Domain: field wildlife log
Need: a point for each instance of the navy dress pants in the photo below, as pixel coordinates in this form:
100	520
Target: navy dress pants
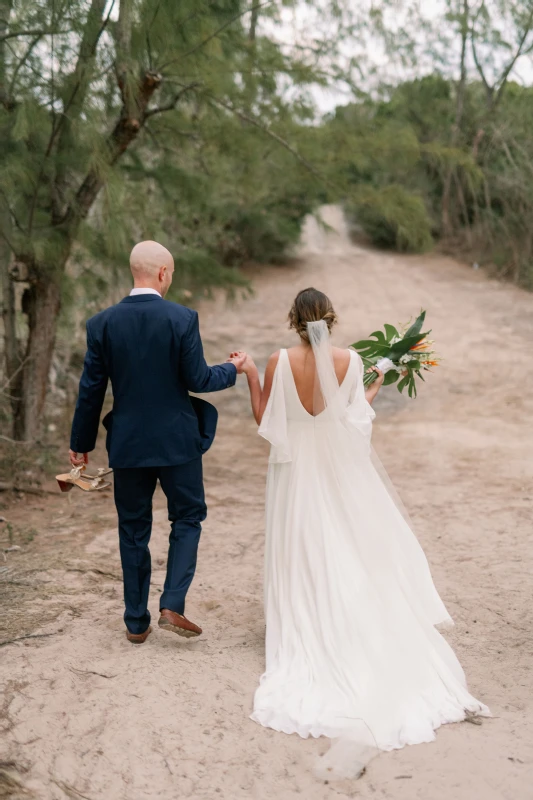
134	490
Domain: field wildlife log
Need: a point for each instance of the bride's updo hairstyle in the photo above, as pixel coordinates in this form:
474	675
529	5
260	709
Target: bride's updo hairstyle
310	305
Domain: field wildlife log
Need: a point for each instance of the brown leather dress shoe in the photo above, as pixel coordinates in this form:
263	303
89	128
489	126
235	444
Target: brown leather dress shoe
138	638
177	623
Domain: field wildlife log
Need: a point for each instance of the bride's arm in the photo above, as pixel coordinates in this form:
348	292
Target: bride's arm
254	385
375	386
259	396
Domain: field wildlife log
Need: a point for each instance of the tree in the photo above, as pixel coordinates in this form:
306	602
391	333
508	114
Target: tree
84	88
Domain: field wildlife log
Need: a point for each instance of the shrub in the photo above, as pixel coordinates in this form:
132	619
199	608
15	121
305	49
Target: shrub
393	217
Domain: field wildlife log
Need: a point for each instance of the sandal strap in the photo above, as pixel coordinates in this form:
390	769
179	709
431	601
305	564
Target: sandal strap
99	473
96	481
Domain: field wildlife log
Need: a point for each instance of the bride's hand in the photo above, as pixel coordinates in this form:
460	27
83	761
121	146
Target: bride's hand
380	376
248	365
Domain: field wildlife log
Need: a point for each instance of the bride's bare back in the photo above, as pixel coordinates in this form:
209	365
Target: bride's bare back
310	306
302	363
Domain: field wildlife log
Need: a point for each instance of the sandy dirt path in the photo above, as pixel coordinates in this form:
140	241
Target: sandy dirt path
87	715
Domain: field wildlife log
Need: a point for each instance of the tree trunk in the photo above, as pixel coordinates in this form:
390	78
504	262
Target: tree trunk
5	13
456	129
12	360
42	304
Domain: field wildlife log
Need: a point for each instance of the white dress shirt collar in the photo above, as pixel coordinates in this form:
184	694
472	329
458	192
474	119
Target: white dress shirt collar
135	292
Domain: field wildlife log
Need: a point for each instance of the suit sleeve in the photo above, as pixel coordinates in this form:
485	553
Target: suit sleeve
93	385
196	374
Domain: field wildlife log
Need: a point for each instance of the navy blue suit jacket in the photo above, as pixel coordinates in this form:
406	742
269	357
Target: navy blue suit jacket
152	352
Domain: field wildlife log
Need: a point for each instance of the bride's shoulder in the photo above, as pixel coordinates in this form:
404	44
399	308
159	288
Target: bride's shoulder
274	358
341	354
270	370
352	353
272	362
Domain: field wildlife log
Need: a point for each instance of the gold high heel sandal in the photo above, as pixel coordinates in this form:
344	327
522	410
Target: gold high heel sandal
87	483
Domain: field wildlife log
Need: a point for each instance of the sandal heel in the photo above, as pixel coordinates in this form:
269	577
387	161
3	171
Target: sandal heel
64	486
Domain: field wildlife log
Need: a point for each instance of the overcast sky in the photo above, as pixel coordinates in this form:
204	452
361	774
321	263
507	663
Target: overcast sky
300	26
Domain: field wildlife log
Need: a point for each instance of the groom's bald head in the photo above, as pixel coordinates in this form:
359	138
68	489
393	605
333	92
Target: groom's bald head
152	266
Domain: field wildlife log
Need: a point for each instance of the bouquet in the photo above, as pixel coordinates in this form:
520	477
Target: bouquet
401	355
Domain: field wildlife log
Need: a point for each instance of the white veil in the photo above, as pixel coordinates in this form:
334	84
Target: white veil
356	415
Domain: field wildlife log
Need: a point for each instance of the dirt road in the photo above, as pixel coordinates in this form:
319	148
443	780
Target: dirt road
87	715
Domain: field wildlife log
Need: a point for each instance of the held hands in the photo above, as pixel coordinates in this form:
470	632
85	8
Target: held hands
248	365
238	359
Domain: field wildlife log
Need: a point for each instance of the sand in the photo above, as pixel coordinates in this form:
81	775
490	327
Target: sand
87	715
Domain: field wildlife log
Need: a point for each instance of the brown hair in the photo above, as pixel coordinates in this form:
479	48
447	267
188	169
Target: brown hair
310	305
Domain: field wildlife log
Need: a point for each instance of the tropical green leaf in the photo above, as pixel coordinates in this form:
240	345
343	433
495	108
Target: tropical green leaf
416	327
373	350
363	343
401	348
390	377
391	331
403	383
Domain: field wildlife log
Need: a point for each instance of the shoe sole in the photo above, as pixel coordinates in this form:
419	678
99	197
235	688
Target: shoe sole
137	639
167	626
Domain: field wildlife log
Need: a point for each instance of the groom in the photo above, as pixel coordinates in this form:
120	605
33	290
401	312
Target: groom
152	352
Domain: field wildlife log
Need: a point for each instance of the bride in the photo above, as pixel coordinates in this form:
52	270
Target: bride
351	644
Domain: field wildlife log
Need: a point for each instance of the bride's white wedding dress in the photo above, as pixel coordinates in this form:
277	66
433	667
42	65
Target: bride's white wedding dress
350	605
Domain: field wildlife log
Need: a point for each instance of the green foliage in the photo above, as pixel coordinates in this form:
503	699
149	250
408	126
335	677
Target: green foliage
393	217
410	175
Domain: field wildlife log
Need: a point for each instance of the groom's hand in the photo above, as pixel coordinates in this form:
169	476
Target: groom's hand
249	364
238	359
78	459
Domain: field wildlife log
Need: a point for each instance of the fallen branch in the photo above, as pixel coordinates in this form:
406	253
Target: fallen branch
91	672
97	571
70	791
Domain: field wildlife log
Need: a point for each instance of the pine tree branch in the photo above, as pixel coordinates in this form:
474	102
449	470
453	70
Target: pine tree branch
215	33
173	103
85	58
33	44
37	32
124	133
262	127
95	26
495	92
489	89
503	79
123	63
